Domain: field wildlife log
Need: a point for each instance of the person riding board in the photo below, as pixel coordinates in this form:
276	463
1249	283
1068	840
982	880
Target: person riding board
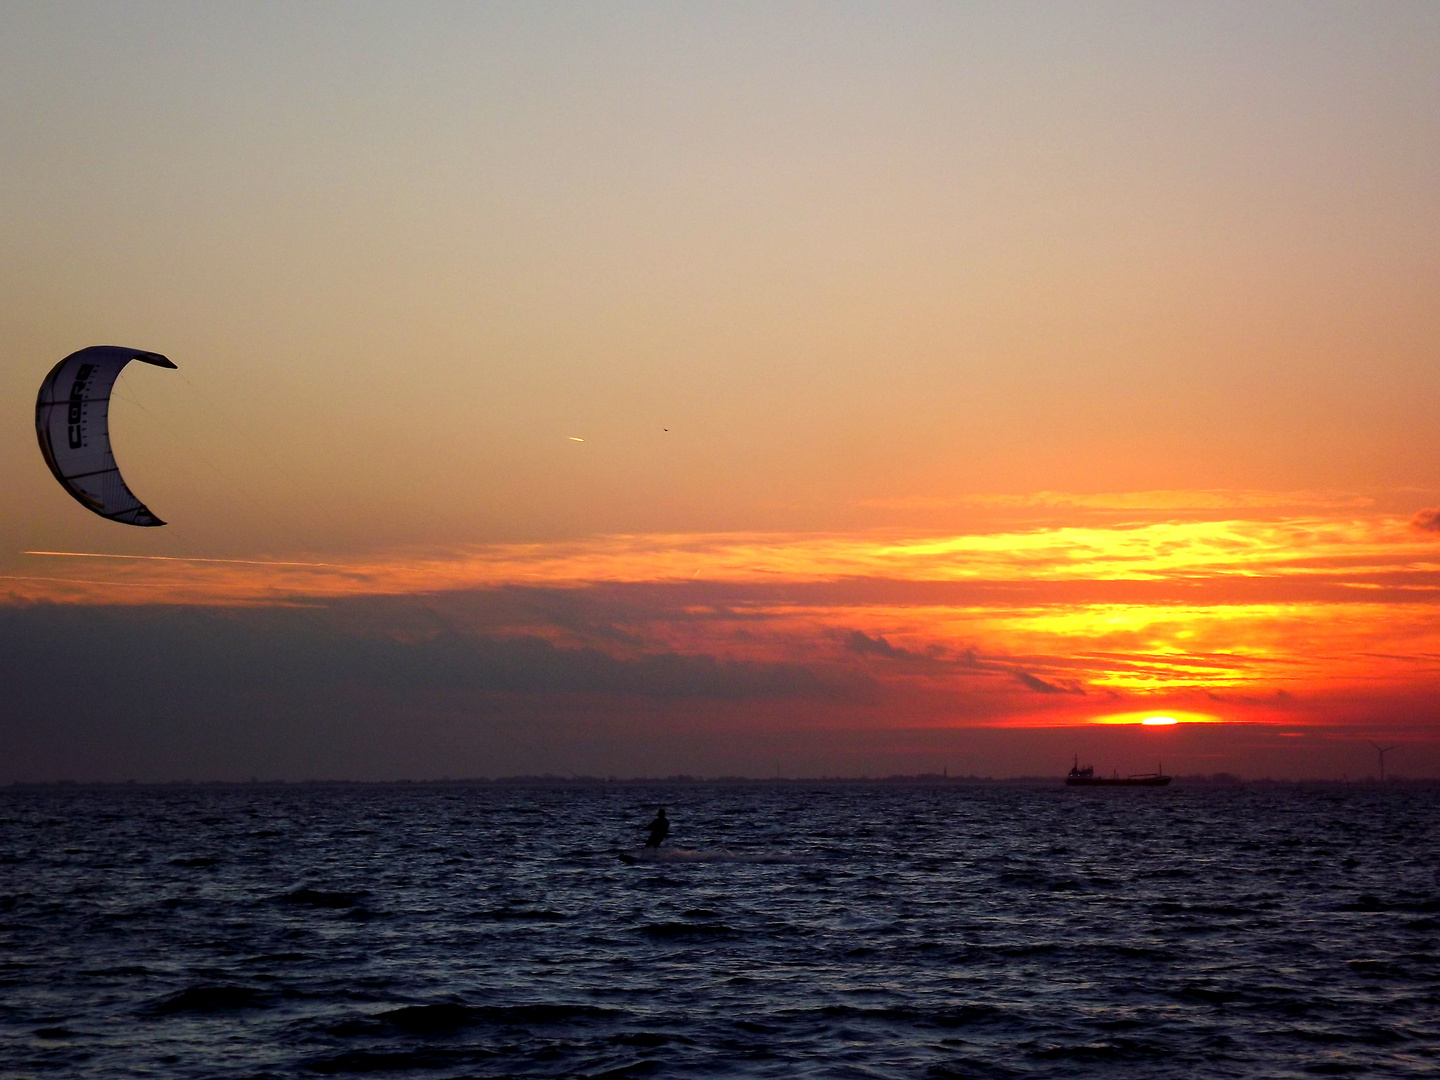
659	829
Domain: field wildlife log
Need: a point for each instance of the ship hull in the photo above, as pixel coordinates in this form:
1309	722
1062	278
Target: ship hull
1117	781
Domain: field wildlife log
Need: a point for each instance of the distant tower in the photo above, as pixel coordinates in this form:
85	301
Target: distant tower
1383	751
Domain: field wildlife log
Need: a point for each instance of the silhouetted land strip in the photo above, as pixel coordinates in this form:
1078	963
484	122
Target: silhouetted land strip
551	780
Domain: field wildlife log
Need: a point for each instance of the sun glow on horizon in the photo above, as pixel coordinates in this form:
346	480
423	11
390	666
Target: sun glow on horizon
1170	718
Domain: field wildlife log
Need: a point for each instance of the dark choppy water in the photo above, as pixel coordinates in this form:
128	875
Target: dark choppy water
859	931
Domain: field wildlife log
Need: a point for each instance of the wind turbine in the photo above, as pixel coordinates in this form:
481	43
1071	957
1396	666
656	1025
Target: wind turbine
1383	751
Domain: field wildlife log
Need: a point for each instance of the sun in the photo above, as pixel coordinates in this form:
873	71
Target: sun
1159	721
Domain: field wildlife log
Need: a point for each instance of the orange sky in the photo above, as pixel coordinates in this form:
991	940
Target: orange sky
1022	365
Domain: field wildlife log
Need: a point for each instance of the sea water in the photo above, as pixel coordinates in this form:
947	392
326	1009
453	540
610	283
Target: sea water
798	930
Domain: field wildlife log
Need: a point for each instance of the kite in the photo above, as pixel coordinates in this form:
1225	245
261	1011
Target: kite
72	419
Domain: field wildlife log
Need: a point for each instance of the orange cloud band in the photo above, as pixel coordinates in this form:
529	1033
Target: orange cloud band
1054	620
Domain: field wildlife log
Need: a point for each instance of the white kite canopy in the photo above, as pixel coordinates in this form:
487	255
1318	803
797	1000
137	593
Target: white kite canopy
72	418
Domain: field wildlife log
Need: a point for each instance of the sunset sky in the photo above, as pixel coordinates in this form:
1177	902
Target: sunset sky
830	389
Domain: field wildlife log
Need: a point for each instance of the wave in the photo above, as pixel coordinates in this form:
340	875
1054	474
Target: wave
208	999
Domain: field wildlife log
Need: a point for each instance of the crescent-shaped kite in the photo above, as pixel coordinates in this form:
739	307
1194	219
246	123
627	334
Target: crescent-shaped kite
72	419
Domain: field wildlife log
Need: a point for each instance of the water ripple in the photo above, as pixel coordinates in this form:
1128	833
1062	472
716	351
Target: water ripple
793	930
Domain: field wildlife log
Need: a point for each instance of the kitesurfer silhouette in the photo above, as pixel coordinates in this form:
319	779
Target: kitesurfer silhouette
659	829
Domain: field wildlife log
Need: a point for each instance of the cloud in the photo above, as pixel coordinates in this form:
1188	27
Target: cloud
393	689
1312	552
1010	627
1179	500
858	641
138	653
1427	520
509	681
1040	686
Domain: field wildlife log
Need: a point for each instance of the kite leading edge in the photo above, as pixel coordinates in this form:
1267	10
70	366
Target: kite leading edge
72	420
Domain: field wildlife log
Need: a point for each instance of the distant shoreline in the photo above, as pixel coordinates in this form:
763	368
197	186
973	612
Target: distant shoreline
543	780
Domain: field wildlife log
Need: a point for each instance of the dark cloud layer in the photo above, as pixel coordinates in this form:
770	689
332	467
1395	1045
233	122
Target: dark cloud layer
483	682
514	680
167	692
133	653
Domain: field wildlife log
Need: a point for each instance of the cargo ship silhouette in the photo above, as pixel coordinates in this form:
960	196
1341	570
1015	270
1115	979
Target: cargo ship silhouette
1078	777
